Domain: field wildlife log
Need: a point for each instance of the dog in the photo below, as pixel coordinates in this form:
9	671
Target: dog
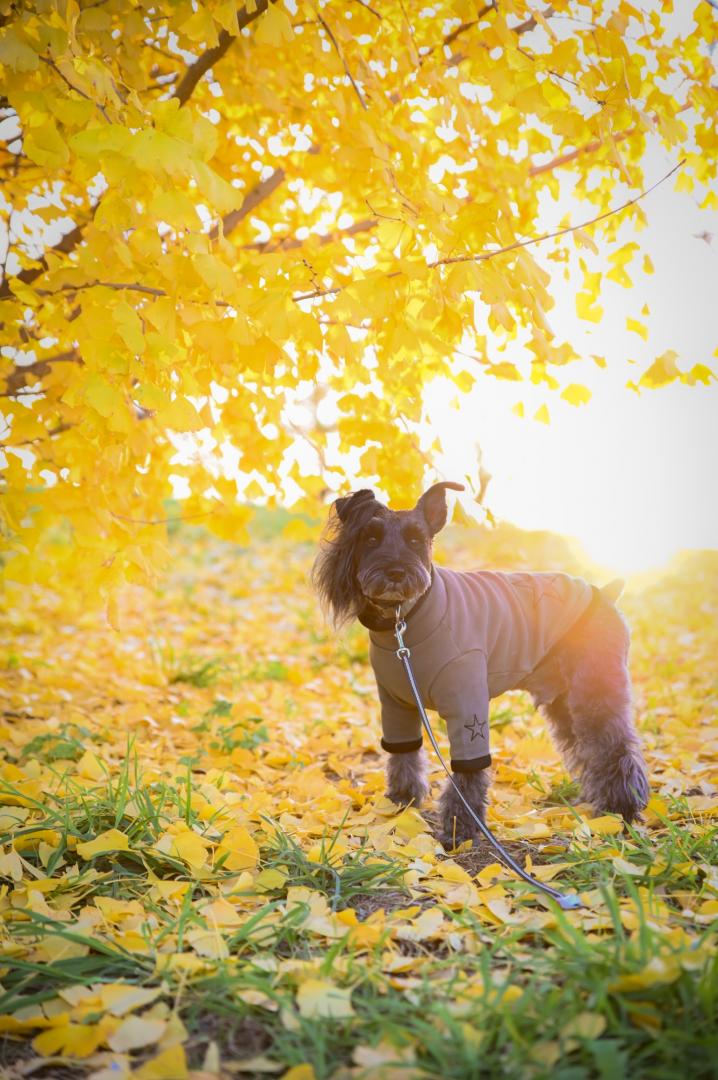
474	635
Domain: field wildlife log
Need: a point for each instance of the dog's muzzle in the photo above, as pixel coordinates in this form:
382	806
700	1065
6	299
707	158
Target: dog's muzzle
394	585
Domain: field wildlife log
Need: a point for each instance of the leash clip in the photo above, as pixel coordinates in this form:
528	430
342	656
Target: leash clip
399	630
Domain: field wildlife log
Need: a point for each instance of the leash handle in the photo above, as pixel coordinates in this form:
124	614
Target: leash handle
569	902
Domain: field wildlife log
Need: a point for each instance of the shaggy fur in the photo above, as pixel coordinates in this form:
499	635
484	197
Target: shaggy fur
456	825
585	692
373	559
407	781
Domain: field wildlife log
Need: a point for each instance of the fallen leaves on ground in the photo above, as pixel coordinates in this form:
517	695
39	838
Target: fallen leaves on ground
201	875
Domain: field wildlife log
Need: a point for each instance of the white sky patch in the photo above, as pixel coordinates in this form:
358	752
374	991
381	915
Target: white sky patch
631	476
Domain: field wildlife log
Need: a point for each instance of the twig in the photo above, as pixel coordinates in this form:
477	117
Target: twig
129	285
369	8
484	256
340	54
55	68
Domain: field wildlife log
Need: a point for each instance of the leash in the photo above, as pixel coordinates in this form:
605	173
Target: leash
568	902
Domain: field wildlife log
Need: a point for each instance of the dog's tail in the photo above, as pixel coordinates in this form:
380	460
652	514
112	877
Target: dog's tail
613	590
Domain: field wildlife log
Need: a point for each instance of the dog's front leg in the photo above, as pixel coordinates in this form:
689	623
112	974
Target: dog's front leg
406	778
456	825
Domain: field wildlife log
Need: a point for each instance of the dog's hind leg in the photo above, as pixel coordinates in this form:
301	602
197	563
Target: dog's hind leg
406	778
603	746
561	727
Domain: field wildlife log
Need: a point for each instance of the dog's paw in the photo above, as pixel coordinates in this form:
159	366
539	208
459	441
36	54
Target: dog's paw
455	833
406	779
622	790
408	794
457	824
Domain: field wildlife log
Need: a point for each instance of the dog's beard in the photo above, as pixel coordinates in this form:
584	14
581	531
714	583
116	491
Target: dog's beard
382	593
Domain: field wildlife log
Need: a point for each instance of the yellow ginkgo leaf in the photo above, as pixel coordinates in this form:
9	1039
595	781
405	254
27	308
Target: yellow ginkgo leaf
410	823
587	308
318	999
575	394
120	998
73	1040
274	27
189	847
637	328
171	1064
135	1032
662	371
299	1072
90	767
238	850
111	840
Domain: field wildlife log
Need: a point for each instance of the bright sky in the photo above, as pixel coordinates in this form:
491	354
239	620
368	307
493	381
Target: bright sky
632	477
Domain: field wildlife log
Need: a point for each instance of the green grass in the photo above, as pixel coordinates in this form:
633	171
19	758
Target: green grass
506	1007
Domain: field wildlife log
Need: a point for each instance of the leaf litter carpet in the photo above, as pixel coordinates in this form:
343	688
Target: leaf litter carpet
201	877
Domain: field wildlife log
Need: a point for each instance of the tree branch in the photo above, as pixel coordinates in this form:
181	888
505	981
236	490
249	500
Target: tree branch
64	246
183	91
17	379
252	199
521	28
484	256
131	286
290	243
463	27
340	54
369	8
565	159
186	86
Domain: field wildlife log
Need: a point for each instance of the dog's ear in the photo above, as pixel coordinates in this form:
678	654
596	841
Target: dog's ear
347	505
432	504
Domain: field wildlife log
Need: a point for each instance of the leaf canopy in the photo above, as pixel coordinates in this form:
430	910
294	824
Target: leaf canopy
216	212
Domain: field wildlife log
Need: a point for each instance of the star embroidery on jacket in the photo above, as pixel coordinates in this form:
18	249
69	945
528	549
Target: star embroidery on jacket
538	585
477	728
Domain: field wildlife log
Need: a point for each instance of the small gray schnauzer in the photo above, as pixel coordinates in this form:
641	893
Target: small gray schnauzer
474	635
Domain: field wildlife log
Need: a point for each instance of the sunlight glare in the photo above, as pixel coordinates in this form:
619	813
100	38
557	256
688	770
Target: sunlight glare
622	476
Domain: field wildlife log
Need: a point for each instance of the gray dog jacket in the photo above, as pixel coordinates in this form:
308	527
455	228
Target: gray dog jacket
472	636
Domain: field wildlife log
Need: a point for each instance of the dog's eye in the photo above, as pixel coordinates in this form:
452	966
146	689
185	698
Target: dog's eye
372	540
413	540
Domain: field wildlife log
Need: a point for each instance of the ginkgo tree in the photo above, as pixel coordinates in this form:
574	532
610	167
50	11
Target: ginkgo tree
212	211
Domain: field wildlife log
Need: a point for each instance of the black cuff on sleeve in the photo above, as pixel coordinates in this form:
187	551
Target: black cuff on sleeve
475	764
402	747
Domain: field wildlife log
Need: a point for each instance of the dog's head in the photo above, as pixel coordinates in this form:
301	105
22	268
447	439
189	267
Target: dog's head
375	558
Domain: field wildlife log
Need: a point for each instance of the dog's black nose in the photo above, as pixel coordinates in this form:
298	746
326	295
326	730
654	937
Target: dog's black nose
396	574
